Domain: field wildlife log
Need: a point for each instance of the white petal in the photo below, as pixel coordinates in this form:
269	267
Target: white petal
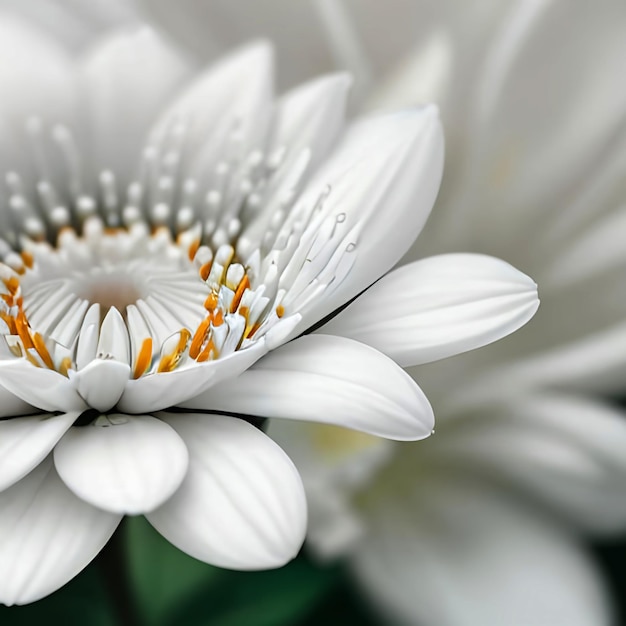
121	463
26	441
234	95
382	181
242	503
438	307
312	116
460	555
101	383
40	387
161	391
127	78
11	405
566	451
47	535
327	379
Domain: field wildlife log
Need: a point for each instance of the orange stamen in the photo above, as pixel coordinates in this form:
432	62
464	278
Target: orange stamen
243	285
199	336
205	270
142	362
42	350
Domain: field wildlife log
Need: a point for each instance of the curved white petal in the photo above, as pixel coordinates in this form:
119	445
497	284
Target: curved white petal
127	78
223	115
242	503
312	116
457	554
11	405
121	463
40	387
381	184
161	391
438	307
566	451
327	379
26	441
47	535
101	383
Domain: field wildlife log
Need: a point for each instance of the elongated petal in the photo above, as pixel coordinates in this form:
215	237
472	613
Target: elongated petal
26	441
127	78
40	387
440	306
225	113
328	379
122	464
465	556
312	116
242	503
381	184
47	535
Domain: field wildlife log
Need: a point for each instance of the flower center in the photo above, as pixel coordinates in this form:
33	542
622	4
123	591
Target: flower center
173	271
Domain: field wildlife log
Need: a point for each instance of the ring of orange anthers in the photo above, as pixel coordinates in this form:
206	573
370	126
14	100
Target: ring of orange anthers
199	345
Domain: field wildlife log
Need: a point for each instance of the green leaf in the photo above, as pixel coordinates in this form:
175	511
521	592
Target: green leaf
161	575
82	601
271	598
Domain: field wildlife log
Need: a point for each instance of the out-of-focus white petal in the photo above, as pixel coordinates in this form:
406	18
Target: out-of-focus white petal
327	379
43	388
127	79
26	441
223	115
566	451
597	251
122	464
438	307
242	503
312	116
74	23
47	535
381	184
457	554
542	113
334	462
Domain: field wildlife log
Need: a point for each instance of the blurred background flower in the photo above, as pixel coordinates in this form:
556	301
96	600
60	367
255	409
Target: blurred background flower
488	521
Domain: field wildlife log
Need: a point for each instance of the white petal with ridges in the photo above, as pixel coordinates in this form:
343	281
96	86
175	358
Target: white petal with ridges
47	535
121	463
438	307
26	441
242	503
333	380
43	388
381	184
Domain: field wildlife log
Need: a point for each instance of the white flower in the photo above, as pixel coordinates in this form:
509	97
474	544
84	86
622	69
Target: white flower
480	524
135	280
